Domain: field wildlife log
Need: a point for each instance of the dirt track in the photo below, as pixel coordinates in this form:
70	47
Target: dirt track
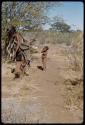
39	97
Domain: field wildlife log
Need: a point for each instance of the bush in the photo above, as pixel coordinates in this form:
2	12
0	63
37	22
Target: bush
75	52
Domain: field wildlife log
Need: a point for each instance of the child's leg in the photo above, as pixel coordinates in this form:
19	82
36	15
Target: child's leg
44	60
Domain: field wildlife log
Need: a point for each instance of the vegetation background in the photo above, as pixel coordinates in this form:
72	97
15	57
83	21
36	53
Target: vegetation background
29	19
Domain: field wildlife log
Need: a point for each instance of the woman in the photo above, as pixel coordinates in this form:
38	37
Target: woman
16	37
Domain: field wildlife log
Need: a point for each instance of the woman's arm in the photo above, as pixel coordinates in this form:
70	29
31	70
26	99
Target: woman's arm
18	42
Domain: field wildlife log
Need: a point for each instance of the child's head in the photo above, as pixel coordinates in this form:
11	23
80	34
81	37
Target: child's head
46	47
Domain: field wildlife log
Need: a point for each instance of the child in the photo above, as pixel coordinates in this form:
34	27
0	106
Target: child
44	56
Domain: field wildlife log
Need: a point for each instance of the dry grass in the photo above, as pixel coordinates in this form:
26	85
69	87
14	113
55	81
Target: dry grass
75	53
74	86
41	96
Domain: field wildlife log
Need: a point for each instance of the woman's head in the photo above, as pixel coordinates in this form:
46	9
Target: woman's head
11	31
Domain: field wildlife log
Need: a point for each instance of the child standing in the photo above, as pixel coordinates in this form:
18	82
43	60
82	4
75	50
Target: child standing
44	56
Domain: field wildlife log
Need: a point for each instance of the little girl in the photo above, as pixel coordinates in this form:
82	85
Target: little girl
44	56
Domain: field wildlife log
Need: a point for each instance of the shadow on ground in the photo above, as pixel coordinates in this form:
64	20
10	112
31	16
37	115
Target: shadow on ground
40	67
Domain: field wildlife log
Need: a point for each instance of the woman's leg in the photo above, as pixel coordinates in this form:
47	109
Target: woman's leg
17	70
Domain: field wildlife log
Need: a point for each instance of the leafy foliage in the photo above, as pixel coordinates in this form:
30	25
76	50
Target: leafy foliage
60	26
24	14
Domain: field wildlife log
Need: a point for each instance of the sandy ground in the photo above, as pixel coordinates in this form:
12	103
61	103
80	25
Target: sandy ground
39	97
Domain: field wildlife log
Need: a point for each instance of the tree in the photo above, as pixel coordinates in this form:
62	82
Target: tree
29	14
60	26
25	13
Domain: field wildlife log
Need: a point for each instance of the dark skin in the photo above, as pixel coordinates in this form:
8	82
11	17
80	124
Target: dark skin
18	39
21	65
6	41
18	43
44	56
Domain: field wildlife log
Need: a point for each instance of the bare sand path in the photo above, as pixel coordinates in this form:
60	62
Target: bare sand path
39	97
